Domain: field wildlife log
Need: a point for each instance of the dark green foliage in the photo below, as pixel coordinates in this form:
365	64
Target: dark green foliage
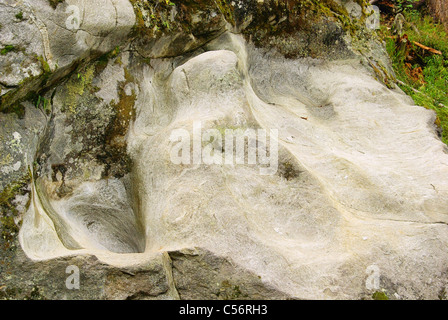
379	295
423	75
6	49
19	16
54	3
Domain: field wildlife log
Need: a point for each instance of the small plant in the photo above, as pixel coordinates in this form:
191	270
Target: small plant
44	64
166	24
43	103
403	5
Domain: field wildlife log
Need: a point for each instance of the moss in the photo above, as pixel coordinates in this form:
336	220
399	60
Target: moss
379	295
226	10
139	26
44	64
54	3
124	108
288	170
19	16
114	156
9	192
16	108
9	293
18	293
76	86
28	89
8	227
103	60
154	17
35	294
8	48
302	28
229	291
382	74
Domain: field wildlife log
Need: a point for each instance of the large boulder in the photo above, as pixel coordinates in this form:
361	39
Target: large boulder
348	202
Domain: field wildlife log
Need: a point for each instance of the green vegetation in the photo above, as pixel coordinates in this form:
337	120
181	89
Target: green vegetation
77	85
26	88
152	16
9	192
6	49
379	295
229	291
124	107
404	4
43	103
226	11
19	16
102	61
422	73
270	29
44	64
54	3
8	227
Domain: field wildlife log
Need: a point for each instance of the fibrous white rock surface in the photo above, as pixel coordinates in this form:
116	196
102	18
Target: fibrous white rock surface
360	192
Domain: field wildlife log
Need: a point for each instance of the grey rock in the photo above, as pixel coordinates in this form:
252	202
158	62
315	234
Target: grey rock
22	279
20	137
45	43
201	275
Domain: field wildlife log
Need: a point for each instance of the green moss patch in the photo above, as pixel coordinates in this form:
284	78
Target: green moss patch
76	87
300	28
19	16
8	214
8	48
379	295
54	3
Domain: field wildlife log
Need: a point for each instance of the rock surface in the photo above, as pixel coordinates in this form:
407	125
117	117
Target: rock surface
355	204
41	43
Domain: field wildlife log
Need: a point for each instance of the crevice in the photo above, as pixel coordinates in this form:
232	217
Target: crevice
8	86
168	266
